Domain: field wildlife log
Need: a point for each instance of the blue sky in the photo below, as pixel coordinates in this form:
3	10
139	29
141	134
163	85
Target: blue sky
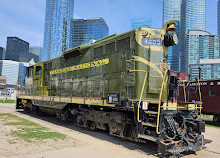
25	18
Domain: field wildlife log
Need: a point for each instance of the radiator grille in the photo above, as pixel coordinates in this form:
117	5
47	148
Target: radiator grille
110	48
123	44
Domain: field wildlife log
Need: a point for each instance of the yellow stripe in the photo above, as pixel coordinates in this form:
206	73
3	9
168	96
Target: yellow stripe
76	100
148	63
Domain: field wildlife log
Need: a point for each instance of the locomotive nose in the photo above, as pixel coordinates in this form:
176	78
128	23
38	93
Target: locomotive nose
170	39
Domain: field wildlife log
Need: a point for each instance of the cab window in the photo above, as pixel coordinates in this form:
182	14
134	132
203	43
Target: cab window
29	72
38	70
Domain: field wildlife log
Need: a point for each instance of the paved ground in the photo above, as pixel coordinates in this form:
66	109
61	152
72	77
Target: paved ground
100	144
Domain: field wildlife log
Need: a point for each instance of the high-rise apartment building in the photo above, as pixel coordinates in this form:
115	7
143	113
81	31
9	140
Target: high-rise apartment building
2	53
200	45
193	16
13	71
218	17
171	11
139	22
209	69
84	30
57	28
18	50
35	50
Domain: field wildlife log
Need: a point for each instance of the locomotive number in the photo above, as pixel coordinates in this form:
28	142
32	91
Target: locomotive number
151	41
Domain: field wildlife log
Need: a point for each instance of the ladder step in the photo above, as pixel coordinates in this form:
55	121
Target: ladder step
149	124
154	102
151	112
147	137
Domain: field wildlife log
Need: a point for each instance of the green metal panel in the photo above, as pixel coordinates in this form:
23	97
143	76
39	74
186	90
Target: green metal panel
112	77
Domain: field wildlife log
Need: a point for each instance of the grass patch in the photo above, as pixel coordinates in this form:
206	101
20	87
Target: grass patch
22	122
28	130
17	121
214	126
7	101
8	116
207	119
37	134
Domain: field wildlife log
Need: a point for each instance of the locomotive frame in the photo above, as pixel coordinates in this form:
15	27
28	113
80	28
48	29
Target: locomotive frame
120	83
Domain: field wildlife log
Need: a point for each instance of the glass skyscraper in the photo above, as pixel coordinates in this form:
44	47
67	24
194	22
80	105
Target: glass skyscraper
18	50
2	53
35	50
201	45
57	28
171	11
193	16
84	30
139	22
218	17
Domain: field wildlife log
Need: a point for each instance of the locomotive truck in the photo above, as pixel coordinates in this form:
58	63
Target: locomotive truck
119	83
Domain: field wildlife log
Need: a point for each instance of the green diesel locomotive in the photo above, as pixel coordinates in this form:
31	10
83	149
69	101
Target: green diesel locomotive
120	83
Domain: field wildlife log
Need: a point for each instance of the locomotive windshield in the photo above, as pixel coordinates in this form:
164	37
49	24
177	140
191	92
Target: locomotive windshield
38	70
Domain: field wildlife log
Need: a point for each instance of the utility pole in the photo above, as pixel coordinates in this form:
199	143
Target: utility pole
199	72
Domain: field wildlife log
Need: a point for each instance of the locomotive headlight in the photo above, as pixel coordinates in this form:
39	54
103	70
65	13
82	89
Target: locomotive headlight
170	39
175	39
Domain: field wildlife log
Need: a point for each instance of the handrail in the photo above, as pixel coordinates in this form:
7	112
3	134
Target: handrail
145	25
200	96
175	107
184	88
138	111
158	115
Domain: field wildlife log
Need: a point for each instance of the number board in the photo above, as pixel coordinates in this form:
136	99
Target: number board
151	41
113	98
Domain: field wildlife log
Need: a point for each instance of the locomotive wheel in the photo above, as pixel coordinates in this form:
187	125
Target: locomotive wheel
92	126
34	110
26	110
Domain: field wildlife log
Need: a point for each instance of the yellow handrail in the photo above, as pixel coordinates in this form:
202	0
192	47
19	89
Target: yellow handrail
184	89
138	112
200	96
158	115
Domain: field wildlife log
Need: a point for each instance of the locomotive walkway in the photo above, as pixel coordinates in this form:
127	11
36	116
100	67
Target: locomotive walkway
98	144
